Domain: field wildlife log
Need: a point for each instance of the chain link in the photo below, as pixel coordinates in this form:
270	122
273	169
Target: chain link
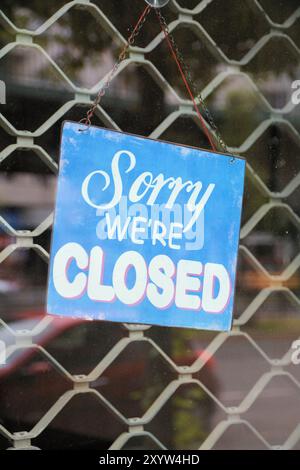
122	56
191	82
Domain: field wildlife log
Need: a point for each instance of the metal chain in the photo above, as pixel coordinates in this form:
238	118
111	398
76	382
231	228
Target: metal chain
130	41
191	82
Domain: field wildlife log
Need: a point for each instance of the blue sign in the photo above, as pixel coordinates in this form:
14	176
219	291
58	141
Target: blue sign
144	231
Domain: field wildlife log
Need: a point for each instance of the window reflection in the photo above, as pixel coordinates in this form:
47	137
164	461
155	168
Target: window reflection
268	283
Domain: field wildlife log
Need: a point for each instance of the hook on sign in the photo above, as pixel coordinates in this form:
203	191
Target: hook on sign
157	3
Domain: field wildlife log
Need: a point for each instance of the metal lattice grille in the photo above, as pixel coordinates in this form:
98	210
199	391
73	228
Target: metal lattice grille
24	139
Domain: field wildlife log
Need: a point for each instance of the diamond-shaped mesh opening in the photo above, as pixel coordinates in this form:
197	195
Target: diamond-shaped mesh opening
29	387
195	53
29	14
283	11
275	325
186	419
183	345
275	157
234	42
235	381
84	54
143	373
136	90
236	109
274	68
23	277
276	411
83	424
187	131
80	345
275	241
24	92
239	437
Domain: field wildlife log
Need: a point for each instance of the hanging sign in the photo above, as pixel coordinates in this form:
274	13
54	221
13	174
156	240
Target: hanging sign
145	231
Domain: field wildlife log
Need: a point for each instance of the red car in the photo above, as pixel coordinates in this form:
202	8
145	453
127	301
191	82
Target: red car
32	387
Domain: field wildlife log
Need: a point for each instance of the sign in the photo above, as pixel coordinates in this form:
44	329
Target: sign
145	231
